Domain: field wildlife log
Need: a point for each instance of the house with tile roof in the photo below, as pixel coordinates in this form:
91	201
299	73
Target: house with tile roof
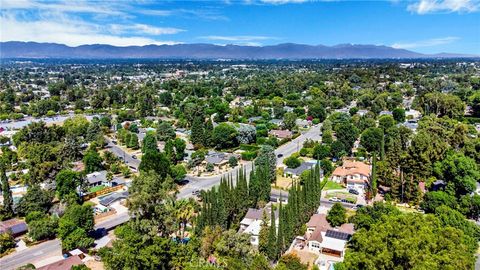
353	174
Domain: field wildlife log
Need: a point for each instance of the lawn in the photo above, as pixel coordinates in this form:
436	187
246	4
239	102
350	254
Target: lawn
332	185
97	188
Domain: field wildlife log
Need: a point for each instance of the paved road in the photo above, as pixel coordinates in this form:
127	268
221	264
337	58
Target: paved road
39	252
296	144
119	152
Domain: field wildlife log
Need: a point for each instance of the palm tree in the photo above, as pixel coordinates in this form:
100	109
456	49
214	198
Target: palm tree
184	212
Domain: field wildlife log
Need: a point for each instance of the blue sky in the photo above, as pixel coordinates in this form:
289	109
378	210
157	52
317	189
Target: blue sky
428	26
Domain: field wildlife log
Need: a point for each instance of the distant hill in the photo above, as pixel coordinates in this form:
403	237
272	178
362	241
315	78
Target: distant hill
16	49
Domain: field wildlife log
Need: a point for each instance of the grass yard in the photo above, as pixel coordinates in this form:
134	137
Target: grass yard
97	188
332	185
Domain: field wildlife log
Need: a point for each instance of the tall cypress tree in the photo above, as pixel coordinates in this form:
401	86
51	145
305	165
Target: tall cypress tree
208	134
7	193
373	177
280	239
272	238
197	133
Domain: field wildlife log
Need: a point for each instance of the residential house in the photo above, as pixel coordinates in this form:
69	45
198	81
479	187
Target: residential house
353	174
277	122
13	226
252	222
322	238
65	264
254	119
281	134
413	114
97	178
219	159
296	172
385	113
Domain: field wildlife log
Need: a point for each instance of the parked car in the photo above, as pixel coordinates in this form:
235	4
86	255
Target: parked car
353	191
279	155
134	157
334	199
114	142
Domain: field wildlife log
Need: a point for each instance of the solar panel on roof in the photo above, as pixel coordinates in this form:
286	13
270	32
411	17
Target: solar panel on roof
337	235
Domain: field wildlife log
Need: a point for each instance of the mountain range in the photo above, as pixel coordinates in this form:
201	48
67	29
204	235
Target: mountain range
17	49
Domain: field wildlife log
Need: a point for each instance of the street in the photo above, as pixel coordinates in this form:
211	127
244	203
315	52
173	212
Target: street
120	153
296	144
36	253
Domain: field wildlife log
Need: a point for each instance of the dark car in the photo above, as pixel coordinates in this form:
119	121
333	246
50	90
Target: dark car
183	182
354	191
114	142
279	155
134	157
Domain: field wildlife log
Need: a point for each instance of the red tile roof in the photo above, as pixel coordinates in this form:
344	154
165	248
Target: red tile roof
65	264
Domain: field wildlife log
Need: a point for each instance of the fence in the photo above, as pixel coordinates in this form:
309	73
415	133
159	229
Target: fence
104	191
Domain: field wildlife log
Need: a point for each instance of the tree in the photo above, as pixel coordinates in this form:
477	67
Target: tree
432	246
347	135
132	250
321	151
36	199
67	182
149	142
266	158
292	162
6	242
371	139
178	172
291	262
133	142
77	239
155	161
76	126
246	134
399	115
94	131
272	251
385	122
460	172
289	120
74	226
197	132
233	161
224	136
327	137
42	228
326	166
165	131
434	199
148	194
337	215
92	161
316	110
6	192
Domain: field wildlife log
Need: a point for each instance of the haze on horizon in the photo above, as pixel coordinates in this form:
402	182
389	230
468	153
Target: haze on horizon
425	26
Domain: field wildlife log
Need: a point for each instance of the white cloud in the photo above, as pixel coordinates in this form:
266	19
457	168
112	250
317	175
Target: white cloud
238	38
72	6
425	43
447	6
65	30
145	29
206	14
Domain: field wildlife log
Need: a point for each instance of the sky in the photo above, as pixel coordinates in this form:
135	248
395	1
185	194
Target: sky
426	26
